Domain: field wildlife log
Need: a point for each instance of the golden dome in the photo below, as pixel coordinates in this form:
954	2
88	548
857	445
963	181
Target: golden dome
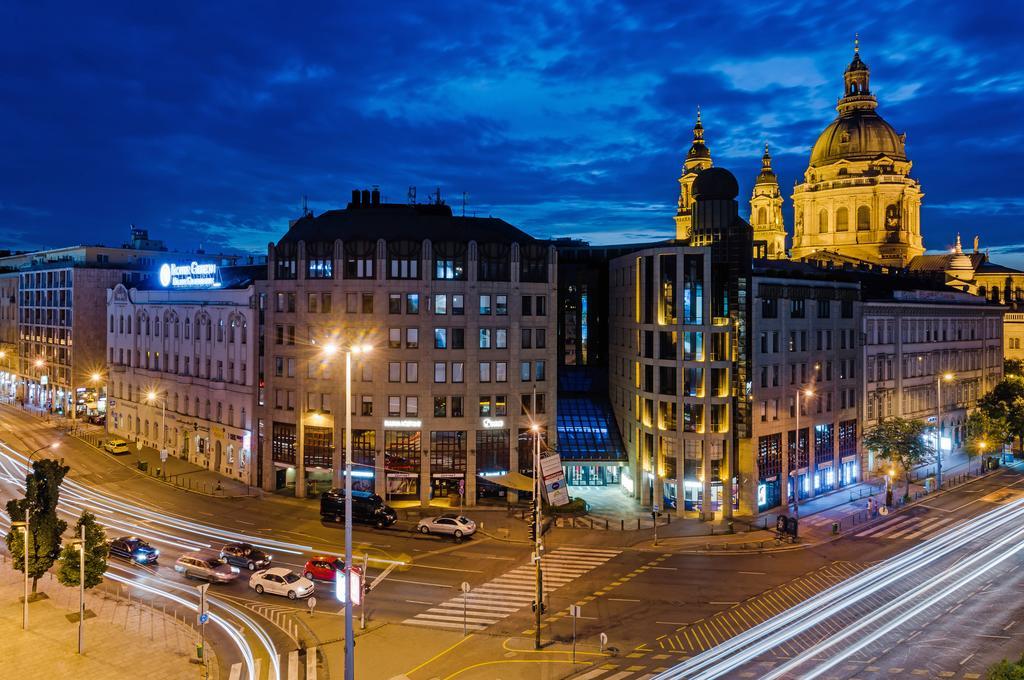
857	135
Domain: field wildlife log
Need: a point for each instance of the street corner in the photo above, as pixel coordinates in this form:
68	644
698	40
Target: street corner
513	658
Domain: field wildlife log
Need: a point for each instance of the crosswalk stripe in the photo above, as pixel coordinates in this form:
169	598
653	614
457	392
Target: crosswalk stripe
443	624
588	551
886	525
591	674
473	606
439	614
934	527
922	524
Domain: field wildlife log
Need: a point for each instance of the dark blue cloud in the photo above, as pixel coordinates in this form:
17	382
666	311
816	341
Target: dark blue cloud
208	122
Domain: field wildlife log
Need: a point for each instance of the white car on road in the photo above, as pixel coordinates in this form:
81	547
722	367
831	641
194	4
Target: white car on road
281	581
449	523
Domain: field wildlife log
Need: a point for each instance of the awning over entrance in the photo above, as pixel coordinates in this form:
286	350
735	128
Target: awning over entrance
511	480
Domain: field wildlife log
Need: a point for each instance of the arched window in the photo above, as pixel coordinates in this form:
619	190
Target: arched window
842	219
892	216
762	216
208	409
156	326
196	412
231	415
188	327
863	218
129	325
242	424
823	222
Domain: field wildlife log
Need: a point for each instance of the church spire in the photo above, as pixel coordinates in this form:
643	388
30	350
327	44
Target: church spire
697	158
856	83
766	211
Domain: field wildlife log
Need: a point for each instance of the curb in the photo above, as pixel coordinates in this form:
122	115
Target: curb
153	477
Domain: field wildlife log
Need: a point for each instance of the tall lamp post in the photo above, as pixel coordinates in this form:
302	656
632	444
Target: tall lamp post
539	595
24	526
79	544
331	349
808	393
39	365
151	397
939	379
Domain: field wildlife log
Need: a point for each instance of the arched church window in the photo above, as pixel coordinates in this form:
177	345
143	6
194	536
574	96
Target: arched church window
842	219
863	218
823	222
762	216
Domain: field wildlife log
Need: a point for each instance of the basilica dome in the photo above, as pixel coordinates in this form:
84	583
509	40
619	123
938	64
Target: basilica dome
857	135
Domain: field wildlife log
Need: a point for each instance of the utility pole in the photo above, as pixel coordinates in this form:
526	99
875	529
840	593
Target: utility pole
81	593
537	531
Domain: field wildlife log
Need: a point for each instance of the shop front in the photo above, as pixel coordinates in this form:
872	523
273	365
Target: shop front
492	460
592	474
448	451
402	459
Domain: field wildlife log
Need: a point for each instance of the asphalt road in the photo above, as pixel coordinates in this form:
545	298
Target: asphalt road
657	609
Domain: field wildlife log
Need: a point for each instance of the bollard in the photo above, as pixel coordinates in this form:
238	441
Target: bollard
638	523
622	525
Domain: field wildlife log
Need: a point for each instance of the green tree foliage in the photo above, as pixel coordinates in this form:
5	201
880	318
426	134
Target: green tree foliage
901	441
42	490
1006	670
985	434
95	554
1013	368
1005	402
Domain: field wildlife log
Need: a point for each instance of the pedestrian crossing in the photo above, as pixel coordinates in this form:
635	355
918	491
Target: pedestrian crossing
907	527
499	598
615	673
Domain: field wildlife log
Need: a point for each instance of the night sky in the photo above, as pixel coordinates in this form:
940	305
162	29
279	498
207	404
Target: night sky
206	123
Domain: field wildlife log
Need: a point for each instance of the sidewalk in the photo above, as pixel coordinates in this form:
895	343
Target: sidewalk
121	640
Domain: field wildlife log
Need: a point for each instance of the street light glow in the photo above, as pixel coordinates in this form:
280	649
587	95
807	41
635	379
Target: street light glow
39	363
947	377
151	396
330	349
808	392
95	377
362	349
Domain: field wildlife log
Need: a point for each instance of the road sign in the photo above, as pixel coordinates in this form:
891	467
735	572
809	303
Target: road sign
575	609
462	487
465	586
204	617
604	640
163	455
202	597
654	509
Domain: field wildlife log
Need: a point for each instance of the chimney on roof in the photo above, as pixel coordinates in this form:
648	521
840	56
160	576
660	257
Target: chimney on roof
355	199
375	195
366	197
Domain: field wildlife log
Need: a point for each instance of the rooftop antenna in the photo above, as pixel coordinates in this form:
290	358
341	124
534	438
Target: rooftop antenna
465	197
411	195
437	196
305	205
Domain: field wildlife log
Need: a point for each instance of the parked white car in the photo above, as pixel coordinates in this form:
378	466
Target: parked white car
449	524
281	581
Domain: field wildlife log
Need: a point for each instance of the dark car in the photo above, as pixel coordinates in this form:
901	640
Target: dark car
367	508
134	549
246	555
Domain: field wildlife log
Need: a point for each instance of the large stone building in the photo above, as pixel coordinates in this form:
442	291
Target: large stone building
459	314
857	199
58	321
182	366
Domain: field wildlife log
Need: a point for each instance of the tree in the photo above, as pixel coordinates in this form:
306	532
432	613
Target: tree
901	441
985	434
95	554
42	490
1013	368
1006	670
1006	402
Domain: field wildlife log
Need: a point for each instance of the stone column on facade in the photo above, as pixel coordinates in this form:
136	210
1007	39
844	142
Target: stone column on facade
680	455
658	495
706	512
426	490
300	430
470	498
380	475
725	473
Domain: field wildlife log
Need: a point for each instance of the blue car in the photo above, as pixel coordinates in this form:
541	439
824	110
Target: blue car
134	549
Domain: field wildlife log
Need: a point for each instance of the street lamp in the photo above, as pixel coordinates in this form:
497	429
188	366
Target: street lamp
539	594
24	548
329	350
807	393
939	379
53	447
982	445
80	545
151	397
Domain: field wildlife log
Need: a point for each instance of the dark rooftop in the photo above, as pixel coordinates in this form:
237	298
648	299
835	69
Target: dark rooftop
399	221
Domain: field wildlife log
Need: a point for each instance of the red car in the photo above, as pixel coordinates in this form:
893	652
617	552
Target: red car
323	568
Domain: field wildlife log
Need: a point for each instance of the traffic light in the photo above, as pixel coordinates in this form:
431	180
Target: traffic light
533	607
533	528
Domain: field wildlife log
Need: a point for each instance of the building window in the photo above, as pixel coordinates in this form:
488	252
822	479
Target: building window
863	218
412	338
458	305
842	219
485	305
440	407
457	371
448	451
412	303
485	338
283	443
492	450
394	303
440	369
501	305
485	406
457	410
412	372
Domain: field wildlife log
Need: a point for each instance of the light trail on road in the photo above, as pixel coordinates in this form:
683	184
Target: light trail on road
724	659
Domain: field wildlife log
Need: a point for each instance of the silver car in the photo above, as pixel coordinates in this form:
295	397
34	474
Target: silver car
207	566
449	523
